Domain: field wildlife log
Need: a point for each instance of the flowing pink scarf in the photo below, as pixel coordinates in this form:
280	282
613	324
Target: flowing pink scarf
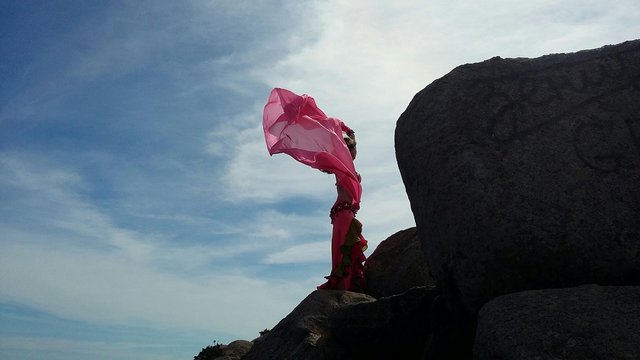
294	125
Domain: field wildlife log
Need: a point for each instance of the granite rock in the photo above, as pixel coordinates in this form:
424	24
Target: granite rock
525	173
347	325
586	322
397	265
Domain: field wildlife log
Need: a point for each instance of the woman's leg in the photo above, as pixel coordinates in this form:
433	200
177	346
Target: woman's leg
347	245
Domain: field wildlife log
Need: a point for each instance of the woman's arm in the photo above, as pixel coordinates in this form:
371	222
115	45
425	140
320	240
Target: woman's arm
350	133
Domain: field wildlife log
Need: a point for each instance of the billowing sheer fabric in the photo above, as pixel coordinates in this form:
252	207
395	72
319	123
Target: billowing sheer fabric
294	125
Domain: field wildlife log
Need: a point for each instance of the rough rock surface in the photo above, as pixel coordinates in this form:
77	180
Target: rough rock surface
393	327
397	265
347	325
525	173
304	334
586	322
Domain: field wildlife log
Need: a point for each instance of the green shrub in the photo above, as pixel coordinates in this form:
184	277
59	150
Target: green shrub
210	352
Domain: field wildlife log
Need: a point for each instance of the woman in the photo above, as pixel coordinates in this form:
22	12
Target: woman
347	243
295	125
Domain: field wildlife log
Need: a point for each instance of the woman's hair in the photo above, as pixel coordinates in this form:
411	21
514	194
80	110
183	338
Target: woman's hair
350	142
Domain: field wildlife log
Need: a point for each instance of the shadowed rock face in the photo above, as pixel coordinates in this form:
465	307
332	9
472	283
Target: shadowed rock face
397	265
525	173
586	322
346	325
304	333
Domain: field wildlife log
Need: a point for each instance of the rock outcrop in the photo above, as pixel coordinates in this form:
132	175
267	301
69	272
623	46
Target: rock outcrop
397	265
234	351
525	173
586	322
347	325
304	333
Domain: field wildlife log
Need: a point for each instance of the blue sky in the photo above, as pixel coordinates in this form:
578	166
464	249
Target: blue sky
140	214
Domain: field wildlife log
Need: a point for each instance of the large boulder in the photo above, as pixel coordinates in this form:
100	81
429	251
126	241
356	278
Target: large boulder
397	265
587	322
347	325
525	173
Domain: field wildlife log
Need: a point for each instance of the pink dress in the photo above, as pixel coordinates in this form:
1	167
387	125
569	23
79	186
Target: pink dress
294	125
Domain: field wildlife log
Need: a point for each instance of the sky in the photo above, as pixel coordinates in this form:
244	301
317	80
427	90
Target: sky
141	216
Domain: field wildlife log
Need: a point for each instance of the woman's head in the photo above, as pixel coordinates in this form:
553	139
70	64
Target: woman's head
351	144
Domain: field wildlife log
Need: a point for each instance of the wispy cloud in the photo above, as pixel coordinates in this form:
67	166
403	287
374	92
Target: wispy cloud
251	175
303	253
82	266
91	286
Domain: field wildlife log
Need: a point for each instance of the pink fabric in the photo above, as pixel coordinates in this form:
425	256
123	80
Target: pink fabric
294	125
354	278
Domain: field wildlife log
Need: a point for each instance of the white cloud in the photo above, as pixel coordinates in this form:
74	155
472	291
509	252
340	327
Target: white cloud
252	175
79	265
303	253
103	288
